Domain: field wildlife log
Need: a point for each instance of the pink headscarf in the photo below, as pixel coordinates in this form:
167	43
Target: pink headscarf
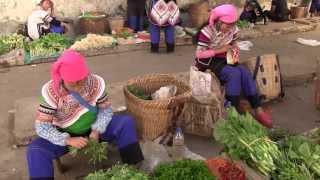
70	67
226	13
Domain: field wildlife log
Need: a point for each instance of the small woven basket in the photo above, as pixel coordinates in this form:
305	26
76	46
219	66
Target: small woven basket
199	13
153	117
268	77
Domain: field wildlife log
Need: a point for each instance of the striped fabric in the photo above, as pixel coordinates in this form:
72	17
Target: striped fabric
63	110
210	39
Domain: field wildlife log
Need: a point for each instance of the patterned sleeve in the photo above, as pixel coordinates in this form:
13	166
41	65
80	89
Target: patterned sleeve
105	111
203	49
45	115
103	100
45	16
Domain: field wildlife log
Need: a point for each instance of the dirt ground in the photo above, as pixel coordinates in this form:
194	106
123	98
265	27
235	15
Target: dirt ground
295	112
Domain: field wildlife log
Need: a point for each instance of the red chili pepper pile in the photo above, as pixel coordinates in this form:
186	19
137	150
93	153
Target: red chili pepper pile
225	170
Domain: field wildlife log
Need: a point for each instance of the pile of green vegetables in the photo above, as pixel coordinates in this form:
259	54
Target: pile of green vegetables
11	42
95	150
49	45
139	92
305	153
91	15
183	170
243	24
244	138
118	172
290	158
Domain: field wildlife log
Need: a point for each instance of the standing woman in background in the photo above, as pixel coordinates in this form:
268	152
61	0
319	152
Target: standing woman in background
136	11
163	14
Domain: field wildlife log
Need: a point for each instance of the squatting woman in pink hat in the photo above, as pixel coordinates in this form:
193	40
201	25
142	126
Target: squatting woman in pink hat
74	107
215	39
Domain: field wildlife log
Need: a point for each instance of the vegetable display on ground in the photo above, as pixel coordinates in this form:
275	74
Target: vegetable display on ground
118	172
183	170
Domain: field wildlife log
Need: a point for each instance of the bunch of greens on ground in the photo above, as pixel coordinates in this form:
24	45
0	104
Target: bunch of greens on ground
303	151
49	45
125	34
183	170
139	92
244	138
243	24
10	42
118	172
278	134
90	15
288	169
95	150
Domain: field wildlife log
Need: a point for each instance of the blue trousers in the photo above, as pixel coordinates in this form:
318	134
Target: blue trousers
155	34
121	131
239	79
136	23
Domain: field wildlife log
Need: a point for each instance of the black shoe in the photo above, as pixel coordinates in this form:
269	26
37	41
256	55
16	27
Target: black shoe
170	48
154	48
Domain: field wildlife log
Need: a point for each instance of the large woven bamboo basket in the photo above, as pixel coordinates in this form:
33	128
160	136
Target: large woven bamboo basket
199	13
153	117
297	12
268	76
116	23
95	25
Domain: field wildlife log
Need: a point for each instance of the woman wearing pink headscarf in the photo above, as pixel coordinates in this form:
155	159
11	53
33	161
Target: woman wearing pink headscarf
214	41
74	107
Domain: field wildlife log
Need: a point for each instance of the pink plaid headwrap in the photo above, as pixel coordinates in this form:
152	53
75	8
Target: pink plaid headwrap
226	13
70	67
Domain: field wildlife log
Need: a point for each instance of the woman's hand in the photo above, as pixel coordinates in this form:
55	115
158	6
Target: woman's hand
94	135
77	142
223	49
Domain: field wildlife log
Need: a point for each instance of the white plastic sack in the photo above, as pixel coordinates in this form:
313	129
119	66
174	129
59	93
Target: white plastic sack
245	45
200	82
308	42
154	154
164	92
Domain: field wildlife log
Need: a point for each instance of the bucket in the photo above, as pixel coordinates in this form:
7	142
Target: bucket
199	13
297	12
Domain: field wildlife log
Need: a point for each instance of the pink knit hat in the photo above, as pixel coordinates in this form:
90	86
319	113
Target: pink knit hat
70	67
226	13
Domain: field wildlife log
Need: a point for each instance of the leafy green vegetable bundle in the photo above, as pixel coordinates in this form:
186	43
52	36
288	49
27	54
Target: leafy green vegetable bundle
183	170
243	24
95	150
118	172
139	92
288	169
10	42
305	152
244	138
49	45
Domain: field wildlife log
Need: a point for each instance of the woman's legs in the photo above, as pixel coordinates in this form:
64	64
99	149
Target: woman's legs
155	37
40	156
230	76
250	91
122	131
170	37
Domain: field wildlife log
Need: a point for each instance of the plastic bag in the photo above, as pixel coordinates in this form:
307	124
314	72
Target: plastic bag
245	45
164	92
154	154
200	82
